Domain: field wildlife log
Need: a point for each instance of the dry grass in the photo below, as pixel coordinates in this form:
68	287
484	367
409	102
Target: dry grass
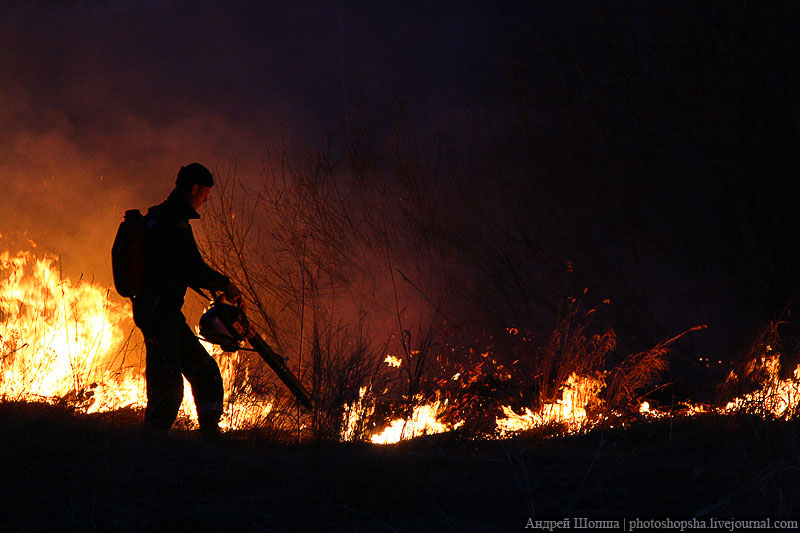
638	371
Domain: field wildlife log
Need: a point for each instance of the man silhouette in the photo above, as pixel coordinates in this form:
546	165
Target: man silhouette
174	264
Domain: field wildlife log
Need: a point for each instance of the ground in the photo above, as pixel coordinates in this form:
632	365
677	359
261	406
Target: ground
68	472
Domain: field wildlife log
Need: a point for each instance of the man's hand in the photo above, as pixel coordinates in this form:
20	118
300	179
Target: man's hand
234	296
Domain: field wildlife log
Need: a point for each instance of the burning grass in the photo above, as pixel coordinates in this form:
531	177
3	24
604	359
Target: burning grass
58	340
63	343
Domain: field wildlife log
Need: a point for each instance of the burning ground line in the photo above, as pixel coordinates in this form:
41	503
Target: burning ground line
59	342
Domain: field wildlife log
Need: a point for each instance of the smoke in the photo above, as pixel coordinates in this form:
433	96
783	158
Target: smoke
100	106
92	123
69	197
101	102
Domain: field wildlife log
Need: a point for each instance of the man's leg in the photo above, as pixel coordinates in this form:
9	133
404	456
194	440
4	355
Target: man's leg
163	379
203	374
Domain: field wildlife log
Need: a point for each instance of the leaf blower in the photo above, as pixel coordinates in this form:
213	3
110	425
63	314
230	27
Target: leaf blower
228	326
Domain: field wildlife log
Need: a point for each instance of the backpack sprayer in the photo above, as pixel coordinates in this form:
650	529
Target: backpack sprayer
228	326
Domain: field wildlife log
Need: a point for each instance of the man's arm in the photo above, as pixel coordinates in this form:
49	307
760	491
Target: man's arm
199	274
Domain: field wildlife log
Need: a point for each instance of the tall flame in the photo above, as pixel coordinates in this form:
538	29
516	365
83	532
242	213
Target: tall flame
243	408
61	340
354	415
57	339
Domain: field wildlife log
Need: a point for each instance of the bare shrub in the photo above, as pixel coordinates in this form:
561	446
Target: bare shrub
355	249
347	370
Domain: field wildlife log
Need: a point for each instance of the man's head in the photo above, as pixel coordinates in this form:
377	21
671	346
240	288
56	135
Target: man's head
194	183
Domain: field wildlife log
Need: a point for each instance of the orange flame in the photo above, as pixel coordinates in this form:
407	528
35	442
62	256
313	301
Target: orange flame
355	414
425	419
576	394
393	361
776	398
63	340
57	339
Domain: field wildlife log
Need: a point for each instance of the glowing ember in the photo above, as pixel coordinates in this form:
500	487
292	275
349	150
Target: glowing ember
647	411
694	409
570	410
424	420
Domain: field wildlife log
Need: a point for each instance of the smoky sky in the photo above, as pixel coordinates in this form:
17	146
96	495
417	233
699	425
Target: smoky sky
102	102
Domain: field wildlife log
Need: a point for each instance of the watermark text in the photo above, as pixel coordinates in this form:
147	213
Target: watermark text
641	524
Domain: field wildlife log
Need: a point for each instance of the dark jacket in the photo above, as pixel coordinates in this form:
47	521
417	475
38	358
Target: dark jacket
173	263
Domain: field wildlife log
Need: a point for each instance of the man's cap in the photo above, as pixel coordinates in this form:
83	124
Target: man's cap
194	173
